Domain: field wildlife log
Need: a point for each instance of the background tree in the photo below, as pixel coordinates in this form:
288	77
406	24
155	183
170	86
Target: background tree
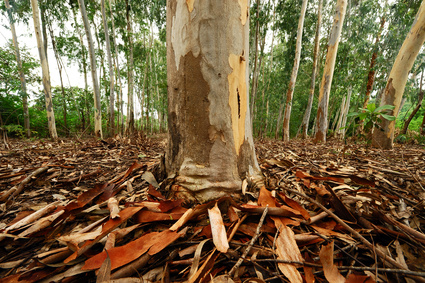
21	71
45	70
325	87
96	91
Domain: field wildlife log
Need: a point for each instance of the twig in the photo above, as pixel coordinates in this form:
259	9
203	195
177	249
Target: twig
251	243
360	268
14	191
381	254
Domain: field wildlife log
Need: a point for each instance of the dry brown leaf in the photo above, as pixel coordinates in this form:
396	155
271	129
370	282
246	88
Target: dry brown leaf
327	259
113	207
218	230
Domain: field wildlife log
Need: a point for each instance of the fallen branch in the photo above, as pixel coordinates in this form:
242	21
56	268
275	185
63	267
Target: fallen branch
251	243
15	190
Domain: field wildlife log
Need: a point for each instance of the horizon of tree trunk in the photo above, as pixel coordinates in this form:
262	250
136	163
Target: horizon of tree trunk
383	136
292	81
307	114
96	91
111	73
21	71
210	146
325	86
45	72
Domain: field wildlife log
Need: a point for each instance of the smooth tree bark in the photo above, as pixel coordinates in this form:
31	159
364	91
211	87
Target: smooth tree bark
118	74
292	81
59	64
96	90
210	146
325	86
45	71
130	74
342	121
383	136
21	70
418	106
307	113
111	73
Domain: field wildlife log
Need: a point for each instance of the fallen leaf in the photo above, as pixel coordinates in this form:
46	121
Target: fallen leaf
327	259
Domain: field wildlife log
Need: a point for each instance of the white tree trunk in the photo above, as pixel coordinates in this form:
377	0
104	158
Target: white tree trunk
45	71
292	81
307	114
96	91
210	148
325	87
384	135
21	71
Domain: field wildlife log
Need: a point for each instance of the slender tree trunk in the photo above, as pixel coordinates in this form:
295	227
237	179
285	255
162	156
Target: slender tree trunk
21	71
211	148
325	87
383	135
52	36
117	66
43	27
111	73
422	128
255	70
418	106
45	71
340	129
307	114
96	91
130	63
292	81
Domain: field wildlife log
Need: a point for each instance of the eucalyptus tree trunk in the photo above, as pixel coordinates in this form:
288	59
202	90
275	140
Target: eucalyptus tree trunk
307	114
45	71
325	87
52	36
111	73
418	106
21	71
383	135
130	63
342	121
292	81
210	145
117	66
43	26
256	67
96	91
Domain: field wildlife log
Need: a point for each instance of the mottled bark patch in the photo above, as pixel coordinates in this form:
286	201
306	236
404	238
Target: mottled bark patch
238	98
195	108
244	10
190	5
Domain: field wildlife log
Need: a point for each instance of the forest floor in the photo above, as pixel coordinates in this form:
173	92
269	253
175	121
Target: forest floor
335	212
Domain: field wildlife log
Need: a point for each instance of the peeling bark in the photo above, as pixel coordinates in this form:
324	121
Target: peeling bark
210	146
383	135
325	87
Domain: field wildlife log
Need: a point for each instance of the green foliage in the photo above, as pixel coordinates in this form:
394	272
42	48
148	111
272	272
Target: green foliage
371	116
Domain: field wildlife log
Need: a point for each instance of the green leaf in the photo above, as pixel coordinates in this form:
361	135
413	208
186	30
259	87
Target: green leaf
385	107
371	107
353	114
388	117
363	115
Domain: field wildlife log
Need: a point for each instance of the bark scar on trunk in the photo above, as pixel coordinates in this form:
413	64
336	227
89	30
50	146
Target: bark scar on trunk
244	10
237	97
190	5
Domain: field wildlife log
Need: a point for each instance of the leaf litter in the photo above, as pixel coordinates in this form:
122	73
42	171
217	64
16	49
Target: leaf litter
97	211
